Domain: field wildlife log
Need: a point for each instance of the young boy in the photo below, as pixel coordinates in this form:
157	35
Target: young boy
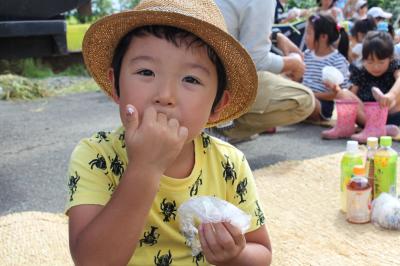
173	69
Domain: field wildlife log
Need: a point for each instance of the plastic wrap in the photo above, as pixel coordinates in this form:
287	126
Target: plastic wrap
207	209
386	211
332	74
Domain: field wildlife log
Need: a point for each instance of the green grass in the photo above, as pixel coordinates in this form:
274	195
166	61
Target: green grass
75	35
35	69
74	70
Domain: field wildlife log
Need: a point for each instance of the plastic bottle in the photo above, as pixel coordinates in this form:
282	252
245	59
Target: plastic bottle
358	197
385	164
351	157
372	147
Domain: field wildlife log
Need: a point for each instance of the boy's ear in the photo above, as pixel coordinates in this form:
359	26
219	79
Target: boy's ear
111	78
214	116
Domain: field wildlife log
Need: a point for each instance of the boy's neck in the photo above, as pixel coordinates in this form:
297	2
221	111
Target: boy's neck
184	163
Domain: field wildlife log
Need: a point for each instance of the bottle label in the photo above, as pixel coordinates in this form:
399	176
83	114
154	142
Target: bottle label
385	175
371	174
346	173
358	205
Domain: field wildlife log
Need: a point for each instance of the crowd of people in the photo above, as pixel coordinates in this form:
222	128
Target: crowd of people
357	40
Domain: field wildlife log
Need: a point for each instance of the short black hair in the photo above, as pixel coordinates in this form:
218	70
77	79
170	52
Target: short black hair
175	36
378	44
363	26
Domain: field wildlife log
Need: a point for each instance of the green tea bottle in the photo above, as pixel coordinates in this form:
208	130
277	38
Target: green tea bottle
351	157
385	163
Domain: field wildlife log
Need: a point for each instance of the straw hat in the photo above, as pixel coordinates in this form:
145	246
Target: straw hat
200	17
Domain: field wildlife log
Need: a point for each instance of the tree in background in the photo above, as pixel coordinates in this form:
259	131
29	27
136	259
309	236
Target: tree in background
100	8
127	4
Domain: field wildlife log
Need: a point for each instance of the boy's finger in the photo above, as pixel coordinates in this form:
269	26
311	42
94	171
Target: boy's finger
235	232
224	236
132	117
208	253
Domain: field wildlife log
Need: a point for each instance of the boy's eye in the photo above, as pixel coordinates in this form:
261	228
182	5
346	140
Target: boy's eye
191	80
146	72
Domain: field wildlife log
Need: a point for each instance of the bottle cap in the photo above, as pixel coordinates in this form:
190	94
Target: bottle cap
372	142
352	146
358	170
386	141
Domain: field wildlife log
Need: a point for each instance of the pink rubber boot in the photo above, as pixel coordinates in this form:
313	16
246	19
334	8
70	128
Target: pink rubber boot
375	125
346	119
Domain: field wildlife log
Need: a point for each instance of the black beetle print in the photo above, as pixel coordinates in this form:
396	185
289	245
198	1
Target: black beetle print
260	215
241	190
122	139
206	141
101	135
194	189
199	257
168	209
150	238
229	172
163	260
73	185
99	162
117	166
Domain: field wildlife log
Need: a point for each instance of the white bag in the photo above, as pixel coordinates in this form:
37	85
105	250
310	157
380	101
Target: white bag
207	209
332	74
386	211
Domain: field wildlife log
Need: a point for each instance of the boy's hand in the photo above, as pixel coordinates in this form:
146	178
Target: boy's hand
221	242
154	142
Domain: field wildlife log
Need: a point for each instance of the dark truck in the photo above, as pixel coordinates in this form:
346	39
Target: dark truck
35	28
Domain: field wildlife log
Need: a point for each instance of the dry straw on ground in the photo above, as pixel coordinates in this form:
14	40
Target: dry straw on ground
301	202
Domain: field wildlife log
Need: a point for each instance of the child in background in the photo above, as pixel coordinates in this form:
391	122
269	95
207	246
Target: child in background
322	33
375	94
358	31
380	71
173	69
327	7
361	9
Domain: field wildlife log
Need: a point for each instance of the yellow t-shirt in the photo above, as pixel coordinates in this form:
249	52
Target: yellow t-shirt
97	165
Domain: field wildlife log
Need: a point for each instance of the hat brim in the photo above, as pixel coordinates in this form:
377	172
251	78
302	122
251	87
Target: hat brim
104	35
386	15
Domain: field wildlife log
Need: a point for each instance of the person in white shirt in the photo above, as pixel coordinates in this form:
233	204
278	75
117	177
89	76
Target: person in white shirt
279	101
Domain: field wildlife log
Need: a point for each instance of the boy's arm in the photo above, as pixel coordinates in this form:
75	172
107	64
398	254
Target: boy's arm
117	226
257	250
95	230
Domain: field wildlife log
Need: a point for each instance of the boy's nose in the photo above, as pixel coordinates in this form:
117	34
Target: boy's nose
166	94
